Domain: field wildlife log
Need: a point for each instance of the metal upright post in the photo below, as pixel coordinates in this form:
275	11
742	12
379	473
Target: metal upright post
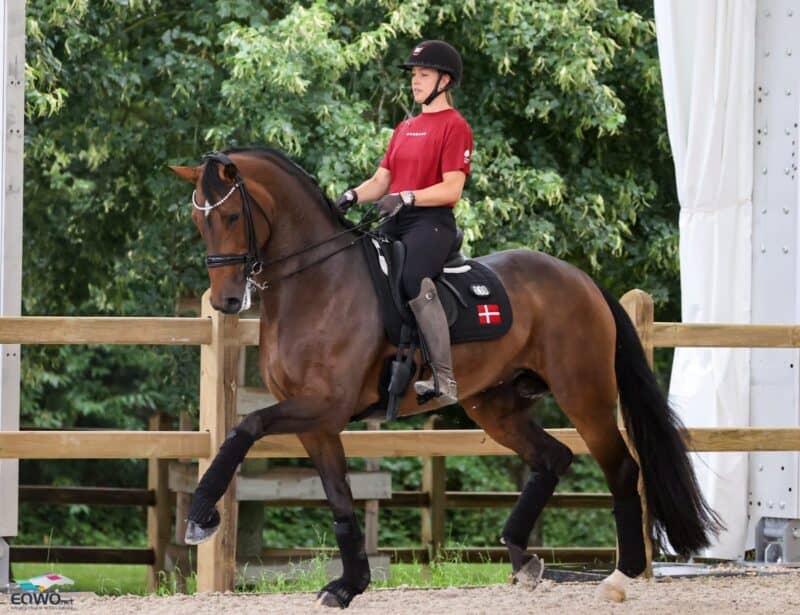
774	476
5	564
12	101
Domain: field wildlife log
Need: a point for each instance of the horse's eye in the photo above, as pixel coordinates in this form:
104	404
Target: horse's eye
231	220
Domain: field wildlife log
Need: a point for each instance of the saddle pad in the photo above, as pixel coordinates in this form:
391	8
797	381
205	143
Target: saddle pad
487	314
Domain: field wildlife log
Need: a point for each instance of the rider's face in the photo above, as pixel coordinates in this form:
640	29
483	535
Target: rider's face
423	80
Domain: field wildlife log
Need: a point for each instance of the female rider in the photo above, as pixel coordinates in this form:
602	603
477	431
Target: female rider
423	171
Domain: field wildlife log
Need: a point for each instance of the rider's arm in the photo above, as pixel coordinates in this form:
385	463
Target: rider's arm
445	192
375	187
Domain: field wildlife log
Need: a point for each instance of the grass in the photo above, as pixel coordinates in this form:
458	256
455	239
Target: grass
104	579
115	580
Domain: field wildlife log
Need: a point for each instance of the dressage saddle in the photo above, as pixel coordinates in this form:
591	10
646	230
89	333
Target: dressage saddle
474	300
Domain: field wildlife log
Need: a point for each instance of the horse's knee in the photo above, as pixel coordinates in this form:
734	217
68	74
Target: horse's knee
252	424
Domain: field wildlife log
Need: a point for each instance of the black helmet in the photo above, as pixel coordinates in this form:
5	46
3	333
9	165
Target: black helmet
439	55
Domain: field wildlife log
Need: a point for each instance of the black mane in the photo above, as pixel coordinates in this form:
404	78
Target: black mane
211	184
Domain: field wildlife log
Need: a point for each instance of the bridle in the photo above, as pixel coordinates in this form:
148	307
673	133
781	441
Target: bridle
251	260
253	265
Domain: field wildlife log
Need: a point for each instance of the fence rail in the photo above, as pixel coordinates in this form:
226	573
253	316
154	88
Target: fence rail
93	496
687	335
412	443
220	338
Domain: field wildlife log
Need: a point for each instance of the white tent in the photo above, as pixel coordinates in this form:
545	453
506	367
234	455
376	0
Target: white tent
734	267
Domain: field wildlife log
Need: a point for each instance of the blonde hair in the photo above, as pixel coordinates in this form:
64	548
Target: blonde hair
449	96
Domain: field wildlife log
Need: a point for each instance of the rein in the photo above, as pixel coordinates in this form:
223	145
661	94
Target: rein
252	262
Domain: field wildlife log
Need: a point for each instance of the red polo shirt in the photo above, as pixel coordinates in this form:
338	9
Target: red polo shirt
426	147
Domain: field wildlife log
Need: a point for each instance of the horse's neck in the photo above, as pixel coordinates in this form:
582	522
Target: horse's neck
298	283
298	222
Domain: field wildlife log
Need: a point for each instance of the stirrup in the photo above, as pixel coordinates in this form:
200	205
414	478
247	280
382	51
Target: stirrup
426	391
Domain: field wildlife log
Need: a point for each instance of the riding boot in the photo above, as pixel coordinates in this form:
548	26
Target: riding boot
433	327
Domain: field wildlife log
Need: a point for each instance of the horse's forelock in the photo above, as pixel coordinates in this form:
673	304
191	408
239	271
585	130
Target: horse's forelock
210	182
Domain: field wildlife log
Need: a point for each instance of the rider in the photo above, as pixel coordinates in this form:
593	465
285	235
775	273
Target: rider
424	170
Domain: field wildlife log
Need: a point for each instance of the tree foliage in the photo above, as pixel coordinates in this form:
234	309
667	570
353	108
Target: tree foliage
563	97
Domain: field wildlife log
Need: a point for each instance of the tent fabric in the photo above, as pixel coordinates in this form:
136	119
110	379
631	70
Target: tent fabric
706	51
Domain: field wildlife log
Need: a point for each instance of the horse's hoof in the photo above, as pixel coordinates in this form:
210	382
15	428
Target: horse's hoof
612	588
196	534
327	599
530	575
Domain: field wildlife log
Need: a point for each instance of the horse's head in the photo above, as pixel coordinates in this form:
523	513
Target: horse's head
232	225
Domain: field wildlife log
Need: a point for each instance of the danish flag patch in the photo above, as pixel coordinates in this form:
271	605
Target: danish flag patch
489	314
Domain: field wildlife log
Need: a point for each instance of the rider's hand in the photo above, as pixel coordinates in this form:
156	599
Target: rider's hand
347	200
390	204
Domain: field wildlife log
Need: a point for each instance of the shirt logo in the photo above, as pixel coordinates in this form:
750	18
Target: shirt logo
467	155
416	134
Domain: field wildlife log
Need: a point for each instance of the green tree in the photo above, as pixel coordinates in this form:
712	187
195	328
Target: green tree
564	99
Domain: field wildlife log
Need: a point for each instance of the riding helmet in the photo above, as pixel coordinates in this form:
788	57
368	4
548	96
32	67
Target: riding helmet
439	55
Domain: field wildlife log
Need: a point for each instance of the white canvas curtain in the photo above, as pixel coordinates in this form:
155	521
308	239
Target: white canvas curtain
706	52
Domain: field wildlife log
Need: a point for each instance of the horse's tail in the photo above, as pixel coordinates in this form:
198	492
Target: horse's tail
676	504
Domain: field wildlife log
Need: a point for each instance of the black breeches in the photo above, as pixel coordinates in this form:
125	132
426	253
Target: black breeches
428	234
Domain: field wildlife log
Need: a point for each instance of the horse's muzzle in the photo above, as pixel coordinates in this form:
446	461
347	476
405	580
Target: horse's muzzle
230	305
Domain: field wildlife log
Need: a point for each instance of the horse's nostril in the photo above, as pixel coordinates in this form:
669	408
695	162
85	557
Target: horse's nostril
232	305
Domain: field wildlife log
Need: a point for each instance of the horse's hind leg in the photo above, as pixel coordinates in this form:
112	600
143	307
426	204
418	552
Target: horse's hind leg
588	398
504	414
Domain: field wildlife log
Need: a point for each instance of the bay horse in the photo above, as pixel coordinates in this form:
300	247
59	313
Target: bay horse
266	222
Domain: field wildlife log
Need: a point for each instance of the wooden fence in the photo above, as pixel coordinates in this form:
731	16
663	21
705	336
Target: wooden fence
220	337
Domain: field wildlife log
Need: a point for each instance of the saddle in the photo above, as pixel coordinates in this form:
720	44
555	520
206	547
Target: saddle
474	300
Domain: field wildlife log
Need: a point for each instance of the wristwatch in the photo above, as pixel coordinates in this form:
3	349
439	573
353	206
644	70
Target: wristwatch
408	198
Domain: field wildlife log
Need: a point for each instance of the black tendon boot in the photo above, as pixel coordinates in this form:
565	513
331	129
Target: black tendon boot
355	566
203	518
630	537
526	567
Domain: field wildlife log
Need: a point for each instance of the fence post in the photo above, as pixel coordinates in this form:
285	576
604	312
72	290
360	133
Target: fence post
371	507
250	530
216	558
639	306
434	478
182	563
158	516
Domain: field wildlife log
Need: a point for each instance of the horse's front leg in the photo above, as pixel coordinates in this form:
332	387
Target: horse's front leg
289	416
326	451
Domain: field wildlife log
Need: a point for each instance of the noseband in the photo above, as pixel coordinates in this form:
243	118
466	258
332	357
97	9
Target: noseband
251	261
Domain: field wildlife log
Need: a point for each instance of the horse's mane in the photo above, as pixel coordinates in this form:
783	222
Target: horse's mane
212	184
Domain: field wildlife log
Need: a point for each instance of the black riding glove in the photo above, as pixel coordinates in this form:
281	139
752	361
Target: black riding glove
390	204
347	200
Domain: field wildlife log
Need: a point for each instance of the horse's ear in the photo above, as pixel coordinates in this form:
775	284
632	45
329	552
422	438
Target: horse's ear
190	174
